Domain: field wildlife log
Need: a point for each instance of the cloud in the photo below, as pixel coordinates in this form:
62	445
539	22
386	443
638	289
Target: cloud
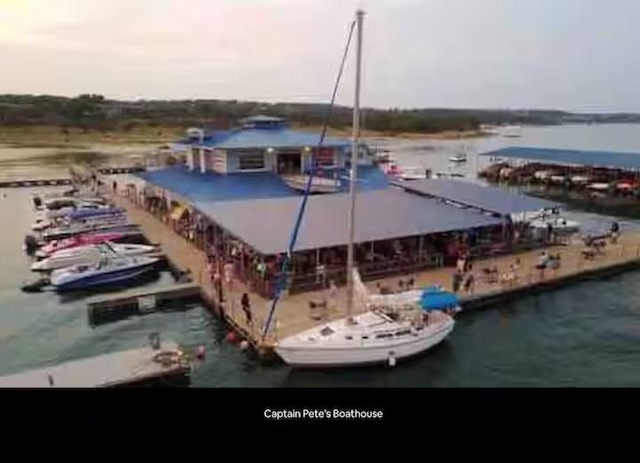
573	54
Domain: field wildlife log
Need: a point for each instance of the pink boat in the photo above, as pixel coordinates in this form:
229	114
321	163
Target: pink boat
75	241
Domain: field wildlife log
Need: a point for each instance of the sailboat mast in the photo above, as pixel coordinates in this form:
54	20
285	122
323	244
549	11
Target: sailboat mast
355	145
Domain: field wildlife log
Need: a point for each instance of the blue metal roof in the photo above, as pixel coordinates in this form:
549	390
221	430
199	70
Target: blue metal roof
383	214
487	198
610	159
195	186
211	186
263	138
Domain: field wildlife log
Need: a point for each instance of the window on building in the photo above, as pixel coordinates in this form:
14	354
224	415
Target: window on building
251	162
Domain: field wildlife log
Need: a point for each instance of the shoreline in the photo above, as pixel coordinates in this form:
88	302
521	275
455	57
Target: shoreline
74	138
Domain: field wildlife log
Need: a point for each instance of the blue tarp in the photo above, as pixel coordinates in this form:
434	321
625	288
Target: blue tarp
487	198
438	300
610	159
195	186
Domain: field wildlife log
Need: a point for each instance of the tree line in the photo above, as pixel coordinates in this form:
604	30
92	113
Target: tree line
95	112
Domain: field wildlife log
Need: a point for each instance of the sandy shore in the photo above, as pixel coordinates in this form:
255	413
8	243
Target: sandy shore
445	135
36	137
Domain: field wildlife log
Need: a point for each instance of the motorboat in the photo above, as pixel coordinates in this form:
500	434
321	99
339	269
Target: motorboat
458	158
64	202
377	332
557	224
541	220
65	223
80	229
102	273
75	241
412	173
89	254
512	131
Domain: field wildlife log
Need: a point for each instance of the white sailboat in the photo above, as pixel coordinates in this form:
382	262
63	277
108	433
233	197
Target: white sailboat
384	331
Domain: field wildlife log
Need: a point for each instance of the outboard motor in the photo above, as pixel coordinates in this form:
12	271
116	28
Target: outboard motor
37	202
30	244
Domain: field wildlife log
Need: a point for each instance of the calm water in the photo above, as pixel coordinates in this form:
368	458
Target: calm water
586	335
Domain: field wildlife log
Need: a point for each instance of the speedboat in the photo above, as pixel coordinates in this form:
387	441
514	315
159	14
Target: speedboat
75	241
458	158
541	220
90	254
104	272
82	228
412	173
557	224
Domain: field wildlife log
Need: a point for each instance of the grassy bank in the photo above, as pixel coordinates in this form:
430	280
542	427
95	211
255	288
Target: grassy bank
46	136
36	136
444	135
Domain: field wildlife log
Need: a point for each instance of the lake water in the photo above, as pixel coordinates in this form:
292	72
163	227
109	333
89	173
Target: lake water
586	335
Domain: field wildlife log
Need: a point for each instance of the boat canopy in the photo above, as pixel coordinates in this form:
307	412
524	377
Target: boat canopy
435	298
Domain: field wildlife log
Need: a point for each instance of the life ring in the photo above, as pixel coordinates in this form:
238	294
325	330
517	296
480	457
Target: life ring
168	357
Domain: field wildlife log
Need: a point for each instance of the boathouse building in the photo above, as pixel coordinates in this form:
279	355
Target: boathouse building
237	194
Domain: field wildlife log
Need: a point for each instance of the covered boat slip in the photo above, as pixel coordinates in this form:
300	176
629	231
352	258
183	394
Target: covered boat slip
484	198
605	159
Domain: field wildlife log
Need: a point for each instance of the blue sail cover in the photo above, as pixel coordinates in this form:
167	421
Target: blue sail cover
435	298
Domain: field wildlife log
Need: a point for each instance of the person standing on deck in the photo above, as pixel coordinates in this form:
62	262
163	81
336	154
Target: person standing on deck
228	275
246	308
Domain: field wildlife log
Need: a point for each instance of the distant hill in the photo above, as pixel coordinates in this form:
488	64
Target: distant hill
97	112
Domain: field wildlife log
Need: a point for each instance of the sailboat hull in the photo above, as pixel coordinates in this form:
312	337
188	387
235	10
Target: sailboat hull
359	354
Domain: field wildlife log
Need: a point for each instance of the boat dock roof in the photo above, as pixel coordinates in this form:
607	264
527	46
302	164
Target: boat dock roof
607	159
108	370
382	214
485	198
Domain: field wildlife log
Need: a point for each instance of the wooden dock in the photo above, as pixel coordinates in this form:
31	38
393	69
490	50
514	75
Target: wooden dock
111	307
34	182
294	315
135	367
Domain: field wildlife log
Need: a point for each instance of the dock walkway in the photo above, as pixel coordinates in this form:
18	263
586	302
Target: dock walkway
116	369
294	315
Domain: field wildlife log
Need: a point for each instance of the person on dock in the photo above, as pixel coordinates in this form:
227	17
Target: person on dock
457	281
246	308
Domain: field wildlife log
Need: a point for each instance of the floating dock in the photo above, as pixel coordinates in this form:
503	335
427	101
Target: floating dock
137	367
102	309
34	182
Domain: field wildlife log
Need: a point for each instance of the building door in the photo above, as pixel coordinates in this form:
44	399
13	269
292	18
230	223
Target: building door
289	163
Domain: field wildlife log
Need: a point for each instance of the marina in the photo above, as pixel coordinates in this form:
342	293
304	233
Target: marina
272	243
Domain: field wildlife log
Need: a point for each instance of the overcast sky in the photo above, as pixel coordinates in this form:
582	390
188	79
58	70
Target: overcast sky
579	55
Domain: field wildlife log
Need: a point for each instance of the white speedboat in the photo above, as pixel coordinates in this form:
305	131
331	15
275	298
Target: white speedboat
542	219
412	173
458	158
560	225
91	254
102	273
